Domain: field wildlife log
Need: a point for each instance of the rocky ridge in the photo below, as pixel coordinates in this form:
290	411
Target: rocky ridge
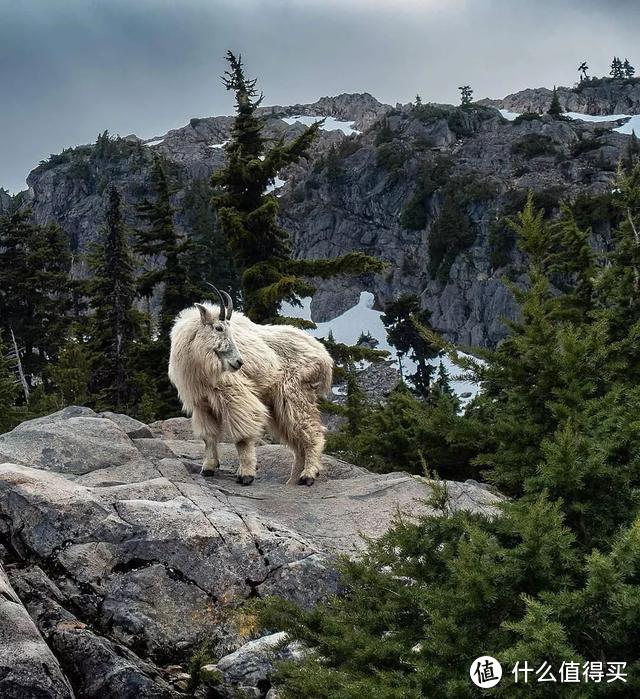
119	559
599	98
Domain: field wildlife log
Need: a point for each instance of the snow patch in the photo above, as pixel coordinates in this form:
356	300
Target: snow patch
278	182
362	317
330	123
632	123
595	117
219	145
154	142
509	116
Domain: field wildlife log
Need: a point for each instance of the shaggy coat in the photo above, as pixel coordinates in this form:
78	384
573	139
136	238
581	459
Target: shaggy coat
237	379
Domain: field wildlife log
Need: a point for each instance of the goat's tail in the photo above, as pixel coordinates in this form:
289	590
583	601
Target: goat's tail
318	376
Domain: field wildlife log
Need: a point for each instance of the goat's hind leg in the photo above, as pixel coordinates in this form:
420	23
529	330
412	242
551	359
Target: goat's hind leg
207	428
300	425
247	458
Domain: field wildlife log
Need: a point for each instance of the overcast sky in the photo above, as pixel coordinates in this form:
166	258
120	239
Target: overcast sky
72	68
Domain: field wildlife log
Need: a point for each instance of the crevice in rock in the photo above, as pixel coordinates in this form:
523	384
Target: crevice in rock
134	564
206	516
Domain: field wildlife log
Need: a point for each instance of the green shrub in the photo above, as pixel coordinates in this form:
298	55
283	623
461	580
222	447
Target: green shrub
451	234
584	145
433	174
391	157
527	116
534	145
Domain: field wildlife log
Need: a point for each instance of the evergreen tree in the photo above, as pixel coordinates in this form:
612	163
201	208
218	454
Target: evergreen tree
170	255
555	109
631	157
160	242
208	258
443	381
627	69
451	234
400	319
355	409
115	322
248	215
345	355
9	391
582	69
71	373
572	264
466	95
617	70
35	291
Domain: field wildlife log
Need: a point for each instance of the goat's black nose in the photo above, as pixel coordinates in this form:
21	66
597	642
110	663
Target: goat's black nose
240	363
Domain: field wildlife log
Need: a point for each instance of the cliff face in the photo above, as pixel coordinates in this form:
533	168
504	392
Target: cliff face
426	189
600	96
5	200
364	197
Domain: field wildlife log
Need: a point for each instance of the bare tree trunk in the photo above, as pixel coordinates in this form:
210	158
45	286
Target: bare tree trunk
23	380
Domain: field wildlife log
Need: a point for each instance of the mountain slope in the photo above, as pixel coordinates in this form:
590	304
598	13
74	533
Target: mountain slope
426	188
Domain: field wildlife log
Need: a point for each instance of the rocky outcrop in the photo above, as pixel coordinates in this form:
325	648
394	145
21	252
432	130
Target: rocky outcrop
6	201
363	110
126	559
28	668
600	97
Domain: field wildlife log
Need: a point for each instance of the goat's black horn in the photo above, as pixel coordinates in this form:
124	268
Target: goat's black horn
229	304
223	314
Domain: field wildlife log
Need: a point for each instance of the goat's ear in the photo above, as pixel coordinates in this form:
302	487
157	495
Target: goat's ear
205	315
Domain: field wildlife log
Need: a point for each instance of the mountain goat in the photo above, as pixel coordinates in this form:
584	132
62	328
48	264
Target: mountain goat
238	378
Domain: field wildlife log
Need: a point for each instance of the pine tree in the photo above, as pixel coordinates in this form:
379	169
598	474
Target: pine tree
208	258
248	215
633	149
466	95
616	68
35	291
8	391
572	264
115	322
555	109
399	320
355	409
71	373
443	381
627	69
160	243
582	69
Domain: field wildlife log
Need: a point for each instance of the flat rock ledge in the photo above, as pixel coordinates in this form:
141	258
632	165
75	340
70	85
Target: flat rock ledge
118	559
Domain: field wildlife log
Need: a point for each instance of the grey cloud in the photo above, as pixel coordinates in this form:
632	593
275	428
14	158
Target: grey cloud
71	69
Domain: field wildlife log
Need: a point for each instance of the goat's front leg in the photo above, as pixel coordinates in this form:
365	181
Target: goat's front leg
206	427
247	458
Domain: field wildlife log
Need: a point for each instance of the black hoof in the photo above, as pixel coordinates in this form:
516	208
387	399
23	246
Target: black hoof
245	480
306	480
208	474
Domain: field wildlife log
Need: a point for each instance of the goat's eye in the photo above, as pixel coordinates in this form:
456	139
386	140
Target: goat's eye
219	328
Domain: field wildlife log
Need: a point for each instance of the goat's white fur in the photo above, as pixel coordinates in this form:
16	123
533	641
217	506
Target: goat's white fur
284	371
